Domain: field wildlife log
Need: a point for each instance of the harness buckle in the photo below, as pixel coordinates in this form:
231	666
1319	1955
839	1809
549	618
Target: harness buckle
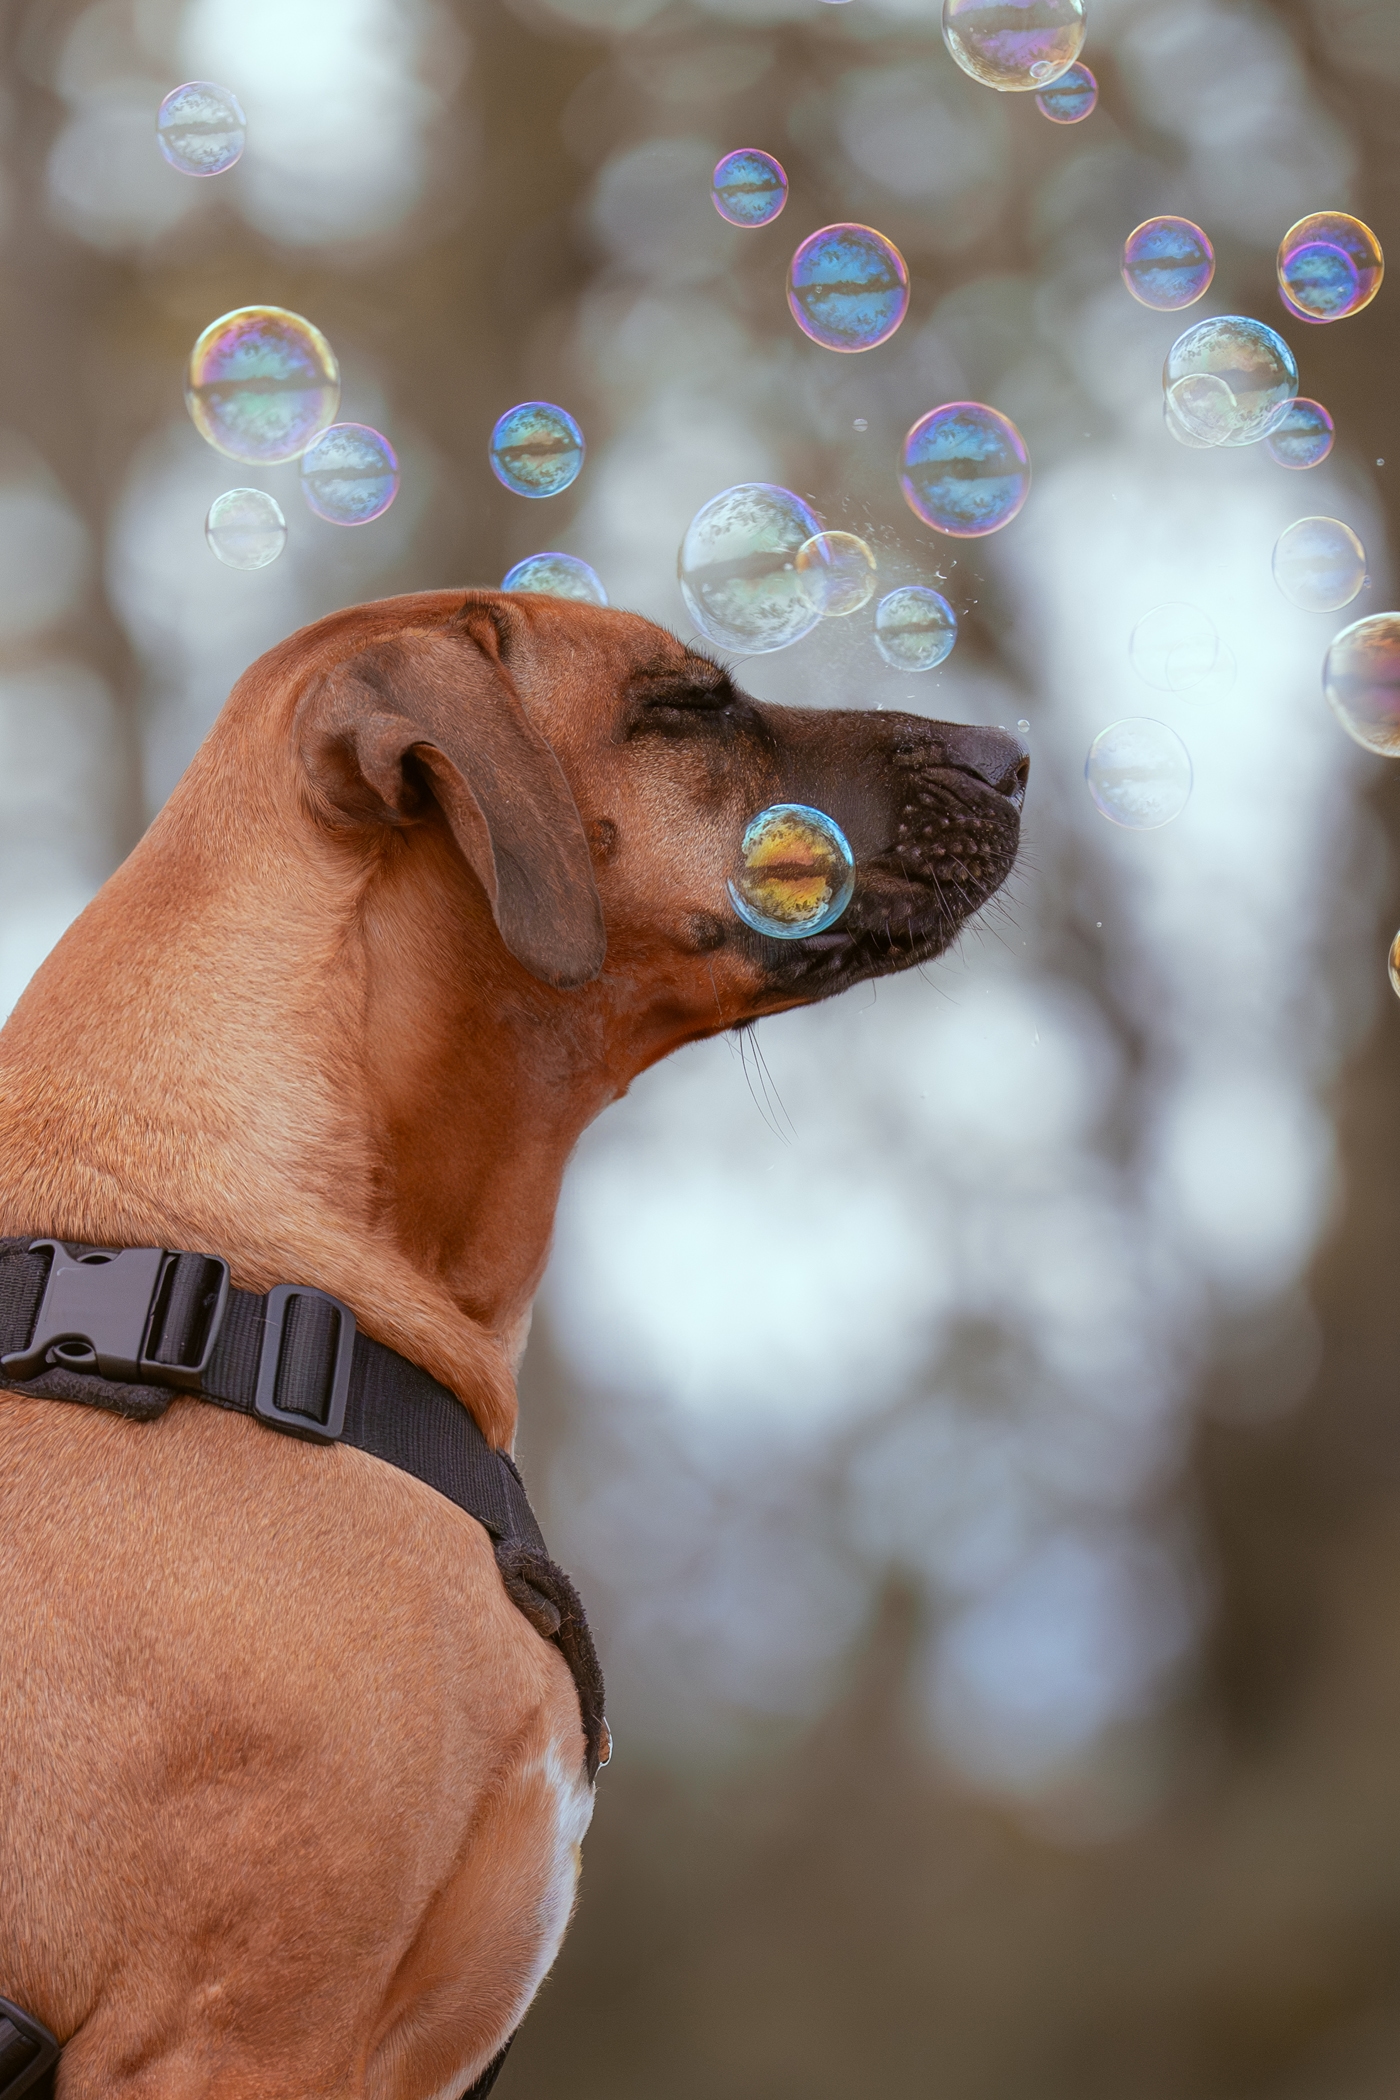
304	1367
27	2051
140	1315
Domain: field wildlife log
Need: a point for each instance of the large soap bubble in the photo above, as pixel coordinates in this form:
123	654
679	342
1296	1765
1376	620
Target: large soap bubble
200	128
536	449
245	528
848	287
1251	360
350	475
262	384
1018	46
749	187
1174	646
795	873
965	469
915	627
1302	436
1361	678
842	567
1139	774
1329	266
1073	97
738	569
1167	263
558	576
1319	564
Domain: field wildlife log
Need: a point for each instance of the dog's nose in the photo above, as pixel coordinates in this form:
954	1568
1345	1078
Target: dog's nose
991	755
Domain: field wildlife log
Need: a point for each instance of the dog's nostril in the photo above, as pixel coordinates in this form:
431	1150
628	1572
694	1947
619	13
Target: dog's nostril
1013	782
990	755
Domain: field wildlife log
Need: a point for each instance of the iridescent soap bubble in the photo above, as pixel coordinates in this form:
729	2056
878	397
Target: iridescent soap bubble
738	569
1303	435
1167	263
749	187
1329	265
915	627
559	576
1319	564
1072	98
795	872
262	384
848	287
1254	363
1139	774
200	128
1393	965
843	568
1015	45
1361	678
1202	406
245	528
1174	646
965	469
536	449
350	475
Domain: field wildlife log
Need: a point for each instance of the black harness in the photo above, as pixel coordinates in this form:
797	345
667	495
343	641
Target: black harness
127	1329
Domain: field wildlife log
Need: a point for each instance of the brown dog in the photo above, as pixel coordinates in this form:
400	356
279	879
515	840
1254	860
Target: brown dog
292	1793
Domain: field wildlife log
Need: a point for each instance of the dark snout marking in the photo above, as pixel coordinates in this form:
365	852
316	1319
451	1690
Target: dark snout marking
989	755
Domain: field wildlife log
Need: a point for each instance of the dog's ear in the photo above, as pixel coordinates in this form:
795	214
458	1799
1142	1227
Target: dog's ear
433	717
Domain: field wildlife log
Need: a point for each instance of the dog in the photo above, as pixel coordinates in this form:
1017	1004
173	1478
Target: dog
293	1793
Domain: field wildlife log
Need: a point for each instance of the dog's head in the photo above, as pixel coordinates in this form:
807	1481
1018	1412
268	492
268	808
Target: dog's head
596	776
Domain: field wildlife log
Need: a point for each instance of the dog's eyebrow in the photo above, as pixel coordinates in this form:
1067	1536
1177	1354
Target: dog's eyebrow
693	673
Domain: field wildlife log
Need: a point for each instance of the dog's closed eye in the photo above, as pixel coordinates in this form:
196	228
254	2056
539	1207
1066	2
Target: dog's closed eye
680	703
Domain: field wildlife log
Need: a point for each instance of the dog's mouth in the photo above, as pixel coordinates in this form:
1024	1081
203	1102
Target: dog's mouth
952	844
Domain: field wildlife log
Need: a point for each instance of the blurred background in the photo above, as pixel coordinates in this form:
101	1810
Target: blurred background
999	1588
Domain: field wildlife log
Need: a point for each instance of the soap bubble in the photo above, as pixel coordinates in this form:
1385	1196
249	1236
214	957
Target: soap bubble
738	569
1218	682
536	449
1202	408
795	874
200	128
843	568
1179	430
1329	265
1319	564
1014	45
1072	98
848	287
1139	774
915	628
750	188
1361	678
1393	964
965	470
1253	361
1303	435
1174	647
559	575
350	475
1167	263
245	528
262	384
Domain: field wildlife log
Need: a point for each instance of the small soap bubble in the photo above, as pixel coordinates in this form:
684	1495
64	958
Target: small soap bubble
1361	678
965	469
860	423
1179	430
1393	965
558	575
915	628
749	188
738	569
536	449
350	475
200	128
1319	564
262	384
1167	263
1303	435
795	873
1023	728
1252	360
1218	682
1139	774
245	528
848	287
1174	647
1203	406
1329	265
1072	98
843	568
1018	47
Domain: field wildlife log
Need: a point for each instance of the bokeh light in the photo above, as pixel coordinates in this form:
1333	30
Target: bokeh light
965	469
1319	564
559	576
1073	97
848	287
1138	773
738	569
246	528
350	475
1167	263
536	449
1015	45
842	567
1252	361
1303	435
795	873
915	627
749	187
262	384
1361	678
200	128
1329	266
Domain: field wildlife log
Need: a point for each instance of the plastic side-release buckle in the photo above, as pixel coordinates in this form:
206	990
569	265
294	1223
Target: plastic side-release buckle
27	2050
104	1310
